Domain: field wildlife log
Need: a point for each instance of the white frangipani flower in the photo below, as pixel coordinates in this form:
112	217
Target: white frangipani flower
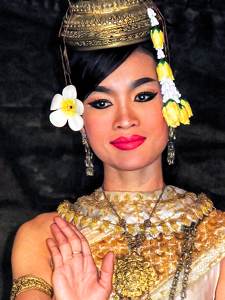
67	108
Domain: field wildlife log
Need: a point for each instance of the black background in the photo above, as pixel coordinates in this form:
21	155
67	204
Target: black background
41	165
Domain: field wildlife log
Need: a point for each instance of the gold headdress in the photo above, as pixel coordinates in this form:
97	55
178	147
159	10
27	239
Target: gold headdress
91	25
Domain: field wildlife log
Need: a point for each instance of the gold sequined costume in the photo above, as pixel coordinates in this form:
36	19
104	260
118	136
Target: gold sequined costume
176	210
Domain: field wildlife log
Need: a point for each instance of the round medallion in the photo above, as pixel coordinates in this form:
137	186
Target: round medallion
134	276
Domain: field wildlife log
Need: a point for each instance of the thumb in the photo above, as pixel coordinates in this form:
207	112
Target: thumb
107	272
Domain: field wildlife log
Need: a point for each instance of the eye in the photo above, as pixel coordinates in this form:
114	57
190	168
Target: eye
100	104
145	97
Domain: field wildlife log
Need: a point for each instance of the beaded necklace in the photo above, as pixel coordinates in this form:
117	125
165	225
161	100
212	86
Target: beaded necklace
134	275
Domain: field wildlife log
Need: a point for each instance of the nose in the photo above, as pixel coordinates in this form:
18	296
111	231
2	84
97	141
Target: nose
126	117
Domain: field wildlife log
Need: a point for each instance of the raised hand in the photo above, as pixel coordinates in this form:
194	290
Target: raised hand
75	275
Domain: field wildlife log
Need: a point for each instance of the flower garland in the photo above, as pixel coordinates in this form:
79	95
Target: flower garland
175	109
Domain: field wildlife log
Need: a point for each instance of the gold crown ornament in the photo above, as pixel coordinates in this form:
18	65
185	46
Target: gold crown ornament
92	25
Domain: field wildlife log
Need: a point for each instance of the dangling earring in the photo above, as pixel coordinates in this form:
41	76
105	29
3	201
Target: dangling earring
88	161
170	146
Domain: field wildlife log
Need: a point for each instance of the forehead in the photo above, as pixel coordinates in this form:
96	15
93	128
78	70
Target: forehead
137	65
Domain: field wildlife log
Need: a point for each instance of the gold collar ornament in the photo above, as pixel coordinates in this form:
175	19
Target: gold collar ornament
133	274
177	213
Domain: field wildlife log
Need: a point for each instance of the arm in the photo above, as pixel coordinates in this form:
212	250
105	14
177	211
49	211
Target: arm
30	254
220	290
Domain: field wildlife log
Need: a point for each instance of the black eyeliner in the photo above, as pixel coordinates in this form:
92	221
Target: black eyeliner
96	102
149	94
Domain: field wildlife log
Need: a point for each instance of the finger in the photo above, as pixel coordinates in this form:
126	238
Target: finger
107	272
56	255
71	233
63	244
85	248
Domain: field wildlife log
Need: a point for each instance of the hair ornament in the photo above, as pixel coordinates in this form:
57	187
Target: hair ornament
157	37
185	103
175	110
169	90
152	16
67	108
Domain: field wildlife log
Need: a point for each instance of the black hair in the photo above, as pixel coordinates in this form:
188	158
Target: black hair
90	68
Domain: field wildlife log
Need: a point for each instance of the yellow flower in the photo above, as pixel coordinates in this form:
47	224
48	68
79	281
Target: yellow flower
187	106
171	113
157	37
163	70
183	115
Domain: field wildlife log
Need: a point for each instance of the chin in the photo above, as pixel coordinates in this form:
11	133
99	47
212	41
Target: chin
133	164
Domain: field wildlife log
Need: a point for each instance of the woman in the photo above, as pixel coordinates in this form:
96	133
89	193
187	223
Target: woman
164	243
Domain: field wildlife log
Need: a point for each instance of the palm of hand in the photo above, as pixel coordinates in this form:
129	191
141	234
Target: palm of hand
75	276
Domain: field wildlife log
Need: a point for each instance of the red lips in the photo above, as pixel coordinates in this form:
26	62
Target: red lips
128	143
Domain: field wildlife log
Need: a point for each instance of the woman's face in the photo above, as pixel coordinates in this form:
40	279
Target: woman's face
123	116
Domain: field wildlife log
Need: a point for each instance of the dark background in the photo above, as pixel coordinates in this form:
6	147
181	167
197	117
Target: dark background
41	165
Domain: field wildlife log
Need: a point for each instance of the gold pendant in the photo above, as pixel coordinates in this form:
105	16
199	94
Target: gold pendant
134	275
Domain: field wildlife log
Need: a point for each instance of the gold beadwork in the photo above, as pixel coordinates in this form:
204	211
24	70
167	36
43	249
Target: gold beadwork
93	25
184	262
183	209
134	276
84	221
103	7
30	282
69	216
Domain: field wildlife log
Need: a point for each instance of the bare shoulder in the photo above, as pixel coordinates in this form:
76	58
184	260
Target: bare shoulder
35	228
40	222
30	254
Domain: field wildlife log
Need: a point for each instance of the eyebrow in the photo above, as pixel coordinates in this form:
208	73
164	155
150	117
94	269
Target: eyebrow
101	89
141	81
135	84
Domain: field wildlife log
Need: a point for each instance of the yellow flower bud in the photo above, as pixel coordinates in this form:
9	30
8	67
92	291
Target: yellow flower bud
171	113
187	106
157	37
163	70
183	115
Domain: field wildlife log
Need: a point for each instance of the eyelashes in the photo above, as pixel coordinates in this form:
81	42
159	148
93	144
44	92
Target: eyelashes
145	97
100	104
104	103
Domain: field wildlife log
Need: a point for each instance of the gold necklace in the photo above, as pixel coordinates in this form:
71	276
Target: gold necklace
133	274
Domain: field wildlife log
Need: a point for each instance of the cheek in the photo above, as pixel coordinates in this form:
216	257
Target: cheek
161	124
163	132
157	126
154	118
95	131
91	125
